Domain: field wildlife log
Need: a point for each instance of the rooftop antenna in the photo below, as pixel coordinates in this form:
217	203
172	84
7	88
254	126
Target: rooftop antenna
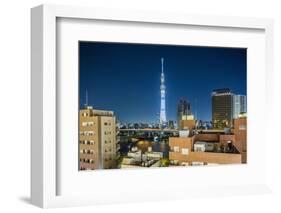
86	104
196	109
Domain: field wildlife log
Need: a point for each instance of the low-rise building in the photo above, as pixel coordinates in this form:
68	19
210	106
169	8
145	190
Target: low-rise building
135	158
202	149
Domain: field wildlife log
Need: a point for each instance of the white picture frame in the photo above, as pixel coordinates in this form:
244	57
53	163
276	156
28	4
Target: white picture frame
45	178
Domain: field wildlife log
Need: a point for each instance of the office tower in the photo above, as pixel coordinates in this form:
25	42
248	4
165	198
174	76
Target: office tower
222	108
97	139
183	111
162	94
239	105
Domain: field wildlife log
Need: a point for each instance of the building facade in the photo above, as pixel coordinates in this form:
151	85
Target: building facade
97	139
187	124
222	108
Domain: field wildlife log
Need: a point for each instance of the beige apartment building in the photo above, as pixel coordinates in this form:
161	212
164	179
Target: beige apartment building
97	139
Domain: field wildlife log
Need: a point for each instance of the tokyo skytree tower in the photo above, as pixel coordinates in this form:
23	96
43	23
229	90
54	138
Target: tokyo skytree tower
162	92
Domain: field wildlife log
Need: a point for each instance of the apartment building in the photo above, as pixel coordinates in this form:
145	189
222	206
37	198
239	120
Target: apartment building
97	139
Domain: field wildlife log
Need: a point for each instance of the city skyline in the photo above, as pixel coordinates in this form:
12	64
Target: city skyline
125	78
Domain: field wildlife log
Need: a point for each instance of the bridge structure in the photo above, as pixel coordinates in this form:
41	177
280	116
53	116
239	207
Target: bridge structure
170	130
149	130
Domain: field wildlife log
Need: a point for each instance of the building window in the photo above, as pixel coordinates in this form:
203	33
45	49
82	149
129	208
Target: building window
87	151
176	149
242	127
199	149
88	123
184	151
107	132
107	141
87	133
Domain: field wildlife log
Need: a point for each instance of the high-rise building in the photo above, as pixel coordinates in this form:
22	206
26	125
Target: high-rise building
239	105
171	124
162	94
97	139
222	108
183	111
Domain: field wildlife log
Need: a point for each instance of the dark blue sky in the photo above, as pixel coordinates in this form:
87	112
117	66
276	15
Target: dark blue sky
125	78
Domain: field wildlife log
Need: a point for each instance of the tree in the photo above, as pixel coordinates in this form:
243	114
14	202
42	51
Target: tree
164	162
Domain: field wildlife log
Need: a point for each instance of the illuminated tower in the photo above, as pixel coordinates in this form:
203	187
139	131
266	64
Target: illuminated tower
162	92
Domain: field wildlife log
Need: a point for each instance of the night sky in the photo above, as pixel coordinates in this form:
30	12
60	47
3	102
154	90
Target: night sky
125	77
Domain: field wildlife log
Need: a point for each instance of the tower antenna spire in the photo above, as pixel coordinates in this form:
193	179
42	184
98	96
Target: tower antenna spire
162	62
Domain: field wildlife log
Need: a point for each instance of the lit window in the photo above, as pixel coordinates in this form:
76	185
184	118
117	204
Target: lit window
86	123
176	149
184	151
242	127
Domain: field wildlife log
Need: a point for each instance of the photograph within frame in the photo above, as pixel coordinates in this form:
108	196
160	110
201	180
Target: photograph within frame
151	105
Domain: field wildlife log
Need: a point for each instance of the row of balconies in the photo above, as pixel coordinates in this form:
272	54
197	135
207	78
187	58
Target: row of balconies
87	151
87	160
87	133
86	142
